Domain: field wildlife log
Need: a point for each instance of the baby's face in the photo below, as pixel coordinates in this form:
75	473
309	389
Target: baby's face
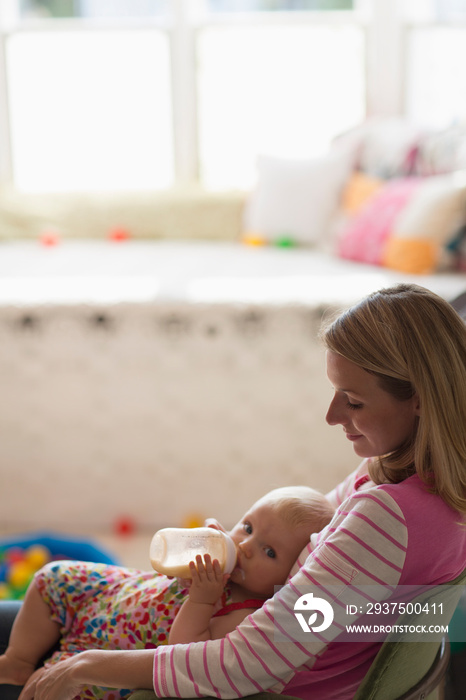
267	549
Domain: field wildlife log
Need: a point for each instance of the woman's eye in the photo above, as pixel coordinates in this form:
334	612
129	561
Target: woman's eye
353	406
270	552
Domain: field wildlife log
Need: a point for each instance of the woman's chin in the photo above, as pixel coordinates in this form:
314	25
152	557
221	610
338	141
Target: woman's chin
362	449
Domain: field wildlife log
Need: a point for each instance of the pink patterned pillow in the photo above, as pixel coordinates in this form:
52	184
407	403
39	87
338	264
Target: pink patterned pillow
363	238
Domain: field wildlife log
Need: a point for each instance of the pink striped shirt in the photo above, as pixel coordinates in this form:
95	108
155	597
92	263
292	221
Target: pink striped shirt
387	535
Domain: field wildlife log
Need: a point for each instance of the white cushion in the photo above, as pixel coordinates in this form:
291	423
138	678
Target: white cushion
296	199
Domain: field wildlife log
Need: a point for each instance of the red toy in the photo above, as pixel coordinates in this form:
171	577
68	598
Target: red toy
124	525
49	239
118	235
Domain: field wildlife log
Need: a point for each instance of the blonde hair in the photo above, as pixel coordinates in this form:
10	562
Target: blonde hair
414	342
300	505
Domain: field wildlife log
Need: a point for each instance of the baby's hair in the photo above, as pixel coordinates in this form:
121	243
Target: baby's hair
300	505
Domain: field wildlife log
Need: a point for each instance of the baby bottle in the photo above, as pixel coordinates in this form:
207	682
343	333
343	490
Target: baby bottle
173	548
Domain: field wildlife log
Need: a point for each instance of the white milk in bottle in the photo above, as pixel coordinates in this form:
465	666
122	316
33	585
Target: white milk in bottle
173	548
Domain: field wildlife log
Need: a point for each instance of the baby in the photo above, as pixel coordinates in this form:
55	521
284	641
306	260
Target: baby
269	539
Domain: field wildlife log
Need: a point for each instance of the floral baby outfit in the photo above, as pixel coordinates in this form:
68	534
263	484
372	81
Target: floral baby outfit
108	607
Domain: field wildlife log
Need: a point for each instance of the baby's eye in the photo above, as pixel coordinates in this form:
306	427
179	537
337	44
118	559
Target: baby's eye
247	528
270	552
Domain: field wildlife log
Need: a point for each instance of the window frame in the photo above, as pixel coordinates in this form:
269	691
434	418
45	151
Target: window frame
385	30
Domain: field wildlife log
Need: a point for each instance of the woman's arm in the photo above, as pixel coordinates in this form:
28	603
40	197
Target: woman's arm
192	623
113	669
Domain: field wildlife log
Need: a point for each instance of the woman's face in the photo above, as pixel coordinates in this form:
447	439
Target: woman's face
374	421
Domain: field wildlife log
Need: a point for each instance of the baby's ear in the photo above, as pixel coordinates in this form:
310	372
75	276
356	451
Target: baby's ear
214	524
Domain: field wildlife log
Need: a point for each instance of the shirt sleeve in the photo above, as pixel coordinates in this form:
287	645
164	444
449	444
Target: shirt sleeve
250	659
336	497
345	488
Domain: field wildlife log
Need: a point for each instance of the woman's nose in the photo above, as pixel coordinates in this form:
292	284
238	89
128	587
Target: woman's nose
335	415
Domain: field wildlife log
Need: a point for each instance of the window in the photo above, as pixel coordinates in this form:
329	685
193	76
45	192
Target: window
280	5
94	8
436	81
147	94
434	53
90	110
279	90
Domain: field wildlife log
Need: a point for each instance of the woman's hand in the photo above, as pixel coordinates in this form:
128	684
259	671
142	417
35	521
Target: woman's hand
101	667
208	580
54	682
29	689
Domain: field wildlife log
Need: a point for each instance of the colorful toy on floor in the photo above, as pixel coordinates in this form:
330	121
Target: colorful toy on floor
17	568
22	556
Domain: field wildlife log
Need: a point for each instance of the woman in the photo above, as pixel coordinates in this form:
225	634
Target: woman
397	362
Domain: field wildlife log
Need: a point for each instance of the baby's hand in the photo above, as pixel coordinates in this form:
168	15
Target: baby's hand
208	580
184	582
